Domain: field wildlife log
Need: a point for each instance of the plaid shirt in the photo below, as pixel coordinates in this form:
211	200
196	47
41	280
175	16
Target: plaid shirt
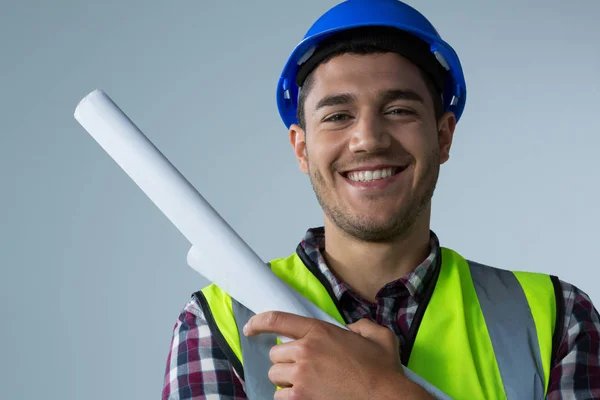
198	369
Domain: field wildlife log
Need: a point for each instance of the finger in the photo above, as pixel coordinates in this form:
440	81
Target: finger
374	332
284	353
283	394
282	374
289	325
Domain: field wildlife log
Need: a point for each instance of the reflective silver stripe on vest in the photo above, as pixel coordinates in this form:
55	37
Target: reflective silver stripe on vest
255	353
512	331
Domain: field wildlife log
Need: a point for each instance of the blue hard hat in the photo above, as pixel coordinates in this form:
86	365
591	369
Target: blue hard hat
361	13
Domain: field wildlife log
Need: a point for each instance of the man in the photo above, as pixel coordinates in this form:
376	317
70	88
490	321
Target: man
371	98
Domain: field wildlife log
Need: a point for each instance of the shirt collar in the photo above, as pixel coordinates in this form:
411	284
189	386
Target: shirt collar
415	283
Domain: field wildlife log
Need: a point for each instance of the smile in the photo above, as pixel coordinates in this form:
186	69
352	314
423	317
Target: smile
373	175
373	179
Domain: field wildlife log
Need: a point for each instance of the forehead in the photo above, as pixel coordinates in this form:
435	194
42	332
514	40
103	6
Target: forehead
365	75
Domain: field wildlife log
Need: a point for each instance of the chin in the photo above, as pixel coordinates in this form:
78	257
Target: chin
378	219
378	208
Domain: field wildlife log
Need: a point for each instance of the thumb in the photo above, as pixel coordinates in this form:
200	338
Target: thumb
374	332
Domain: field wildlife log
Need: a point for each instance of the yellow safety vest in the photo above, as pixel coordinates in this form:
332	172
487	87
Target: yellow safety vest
479	333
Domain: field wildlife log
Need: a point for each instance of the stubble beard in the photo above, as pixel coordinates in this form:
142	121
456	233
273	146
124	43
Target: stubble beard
367	230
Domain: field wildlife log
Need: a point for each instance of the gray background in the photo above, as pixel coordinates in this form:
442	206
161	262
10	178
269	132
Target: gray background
94	276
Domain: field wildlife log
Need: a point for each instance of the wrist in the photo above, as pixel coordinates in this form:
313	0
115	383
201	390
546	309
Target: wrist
397	386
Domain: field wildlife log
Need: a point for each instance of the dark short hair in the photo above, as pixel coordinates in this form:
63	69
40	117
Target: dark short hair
374	41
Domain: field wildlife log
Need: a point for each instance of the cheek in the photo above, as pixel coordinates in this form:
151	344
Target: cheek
421	145
323	154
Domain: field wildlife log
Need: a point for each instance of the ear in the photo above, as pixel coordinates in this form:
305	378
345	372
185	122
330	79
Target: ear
298	141
446	126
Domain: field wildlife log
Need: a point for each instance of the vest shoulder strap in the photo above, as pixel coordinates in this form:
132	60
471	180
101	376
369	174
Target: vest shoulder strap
497	327
218	310
511	323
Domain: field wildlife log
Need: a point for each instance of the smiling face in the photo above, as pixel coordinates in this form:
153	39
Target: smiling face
372	146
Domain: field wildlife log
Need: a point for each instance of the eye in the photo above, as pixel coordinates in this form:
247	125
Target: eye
337	117
400	111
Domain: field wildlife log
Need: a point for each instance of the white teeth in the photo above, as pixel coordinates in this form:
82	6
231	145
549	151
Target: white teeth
368	176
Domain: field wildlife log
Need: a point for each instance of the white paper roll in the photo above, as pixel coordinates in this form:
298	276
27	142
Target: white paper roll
218	252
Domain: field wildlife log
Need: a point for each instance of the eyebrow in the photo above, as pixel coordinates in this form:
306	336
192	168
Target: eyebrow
398	94
335	100
386	97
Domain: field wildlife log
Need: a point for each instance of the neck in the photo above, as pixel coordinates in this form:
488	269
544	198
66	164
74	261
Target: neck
365	266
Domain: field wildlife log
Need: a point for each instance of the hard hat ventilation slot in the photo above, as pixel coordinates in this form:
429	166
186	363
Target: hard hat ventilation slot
442	60
306	55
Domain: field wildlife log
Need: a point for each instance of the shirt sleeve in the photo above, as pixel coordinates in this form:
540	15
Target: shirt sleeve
576	373
196	366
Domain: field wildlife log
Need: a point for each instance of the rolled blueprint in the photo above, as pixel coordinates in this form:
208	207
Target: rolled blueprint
218	252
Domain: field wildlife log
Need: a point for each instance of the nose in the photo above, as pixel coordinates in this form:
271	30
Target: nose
369	135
